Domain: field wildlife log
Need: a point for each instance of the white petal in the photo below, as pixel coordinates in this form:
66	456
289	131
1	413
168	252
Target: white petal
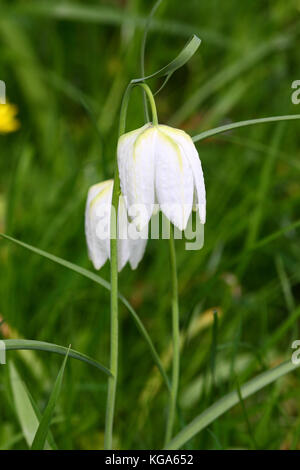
137	251
97	248
136	169
191	154
137	244
173	179
97	228
123	242
131	242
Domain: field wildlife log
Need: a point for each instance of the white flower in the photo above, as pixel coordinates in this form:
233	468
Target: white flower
131	244
160	164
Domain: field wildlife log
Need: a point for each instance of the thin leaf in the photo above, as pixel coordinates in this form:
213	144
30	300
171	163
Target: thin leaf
63	262
99	280
50	437
26	413
235	125
44	426
183	57
163	85
28	344
228	401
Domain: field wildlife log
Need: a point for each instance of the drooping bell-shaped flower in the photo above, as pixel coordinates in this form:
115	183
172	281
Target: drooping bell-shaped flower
131	244
160	165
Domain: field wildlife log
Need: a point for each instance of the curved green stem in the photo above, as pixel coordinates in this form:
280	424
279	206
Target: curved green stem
176	340
125	102
151	102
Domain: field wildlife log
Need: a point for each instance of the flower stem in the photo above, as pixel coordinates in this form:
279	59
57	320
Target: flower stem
176	340
114	320
151	102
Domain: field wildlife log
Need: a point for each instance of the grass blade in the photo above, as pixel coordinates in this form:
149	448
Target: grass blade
62	262
44	426
50	438
235	125
183	57
228	401
250	432
26	413
28	344
99	280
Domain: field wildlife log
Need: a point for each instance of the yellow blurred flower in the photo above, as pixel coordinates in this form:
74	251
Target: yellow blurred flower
8	121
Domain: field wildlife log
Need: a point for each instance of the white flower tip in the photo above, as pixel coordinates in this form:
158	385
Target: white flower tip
133	265
97	262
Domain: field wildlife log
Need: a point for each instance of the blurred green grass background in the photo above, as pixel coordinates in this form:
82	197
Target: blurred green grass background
66	65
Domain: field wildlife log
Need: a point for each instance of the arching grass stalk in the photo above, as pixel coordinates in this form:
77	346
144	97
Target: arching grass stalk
114	321
176	339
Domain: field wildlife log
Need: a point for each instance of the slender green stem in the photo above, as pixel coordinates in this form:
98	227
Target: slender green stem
114	322
151	102
176	340
125	102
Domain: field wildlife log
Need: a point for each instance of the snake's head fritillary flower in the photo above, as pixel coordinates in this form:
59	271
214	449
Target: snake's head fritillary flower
159	164
131	244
